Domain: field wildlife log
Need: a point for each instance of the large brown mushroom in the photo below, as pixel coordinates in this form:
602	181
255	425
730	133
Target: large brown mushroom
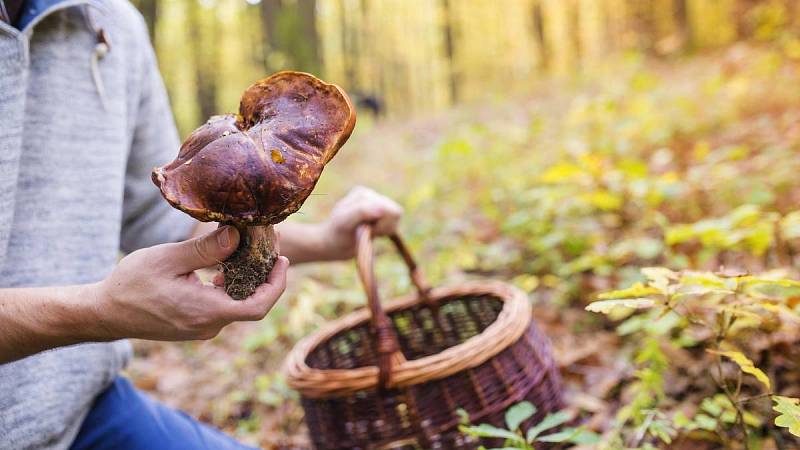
253	169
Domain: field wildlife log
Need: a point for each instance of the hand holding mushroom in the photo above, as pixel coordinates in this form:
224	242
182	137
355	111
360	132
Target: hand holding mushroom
254	169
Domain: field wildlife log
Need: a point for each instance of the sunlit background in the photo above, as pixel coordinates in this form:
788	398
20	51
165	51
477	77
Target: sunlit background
416	56
560	145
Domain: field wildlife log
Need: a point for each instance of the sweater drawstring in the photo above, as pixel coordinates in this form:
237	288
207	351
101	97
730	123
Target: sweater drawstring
101	49
4	13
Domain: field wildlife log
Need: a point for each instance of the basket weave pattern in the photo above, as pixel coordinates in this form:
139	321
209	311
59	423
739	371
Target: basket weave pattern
472	346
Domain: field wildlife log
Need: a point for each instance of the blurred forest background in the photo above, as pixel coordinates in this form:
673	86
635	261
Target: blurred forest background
413	56
566	146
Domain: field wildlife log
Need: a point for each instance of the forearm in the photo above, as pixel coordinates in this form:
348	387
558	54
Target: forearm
37	319
305	242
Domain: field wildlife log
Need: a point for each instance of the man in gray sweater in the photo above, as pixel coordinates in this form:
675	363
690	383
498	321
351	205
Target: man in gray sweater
83	119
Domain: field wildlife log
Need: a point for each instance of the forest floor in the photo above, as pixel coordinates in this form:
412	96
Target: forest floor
233	381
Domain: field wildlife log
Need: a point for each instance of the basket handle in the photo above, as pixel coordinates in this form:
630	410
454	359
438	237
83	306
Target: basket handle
387	346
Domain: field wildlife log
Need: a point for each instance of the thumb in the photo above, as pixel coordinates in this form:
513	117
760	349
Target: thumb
203	251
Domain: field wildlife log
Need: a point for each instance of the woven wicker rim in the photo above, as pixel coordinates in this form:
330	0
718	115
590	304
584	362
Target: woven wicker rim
511	323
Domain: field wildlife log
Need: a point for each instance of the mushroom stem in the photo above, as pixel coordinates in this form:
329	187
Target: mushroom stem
249	266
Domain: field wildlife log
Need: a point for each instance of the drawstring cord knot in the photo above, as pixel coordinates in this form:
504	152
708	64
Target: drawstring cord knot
101	49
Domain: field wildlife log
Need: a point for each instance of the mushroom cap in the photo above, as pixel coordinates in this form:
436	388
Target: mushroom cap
259	166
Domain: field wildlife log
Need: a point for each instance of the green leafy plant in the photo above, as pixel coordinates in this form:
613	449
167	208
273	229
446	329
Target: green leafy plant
728	309
789	417
543	432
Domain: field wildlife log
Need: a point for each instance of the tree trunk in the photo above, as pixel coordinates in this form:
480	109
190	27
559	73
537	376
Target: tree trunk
450	50
290	31
682	21
538	28
149	10
269	14
205	55
307	10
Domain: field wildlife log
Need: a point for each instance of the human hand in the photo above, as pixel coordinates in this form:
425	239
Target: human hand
154	293
360	205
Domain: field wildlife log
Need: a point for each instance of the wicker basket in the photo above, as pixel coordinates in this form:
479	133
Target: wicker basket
395	379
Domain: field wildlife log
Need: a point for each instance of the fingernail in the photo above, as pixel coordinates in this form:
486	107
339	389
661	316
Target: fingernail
224	237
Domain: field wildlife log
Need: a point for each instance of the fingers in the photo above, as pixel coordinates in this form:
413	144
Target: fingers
263	299
202	251
192	276
366	205
212	309
219	279
390	213
377	208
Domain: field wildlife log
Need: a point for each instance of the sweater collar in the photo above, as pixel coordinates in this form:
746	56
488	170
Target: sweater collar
32	9
10	10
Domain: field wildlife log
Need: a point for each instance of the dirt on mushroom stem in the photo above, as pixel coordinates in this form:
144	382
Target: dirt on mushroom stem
249	266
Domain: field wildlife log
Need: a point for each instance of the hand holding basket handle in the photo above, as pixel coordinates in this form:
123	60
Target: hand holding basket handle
387	346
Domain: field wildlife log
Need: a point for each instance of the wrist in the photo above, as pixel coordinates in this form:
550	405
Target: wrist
310	242
333	244
326	242
304	242
92	313
68	315
38	319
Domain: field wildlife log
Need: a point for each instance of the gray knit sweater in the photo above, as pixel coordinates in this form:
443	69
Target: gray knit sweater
74	190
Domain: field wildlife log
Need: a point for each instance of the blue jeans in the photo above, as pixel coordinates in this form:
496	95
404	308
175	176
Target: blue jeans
124	418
